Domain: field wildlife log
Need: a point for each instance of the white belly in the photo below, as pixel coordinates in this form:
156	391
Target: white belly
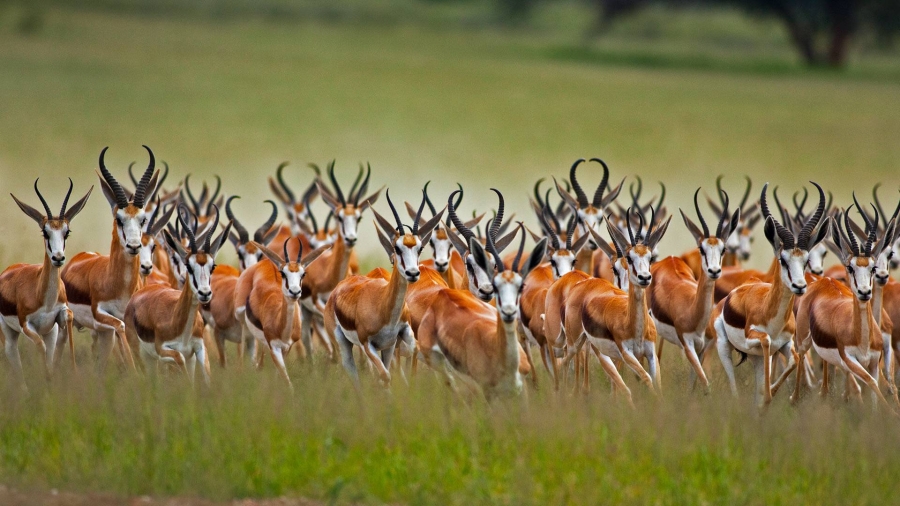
83	316
832	356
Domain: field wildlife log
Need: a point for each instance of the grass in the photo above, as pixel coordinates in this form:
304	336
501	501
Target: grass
235	97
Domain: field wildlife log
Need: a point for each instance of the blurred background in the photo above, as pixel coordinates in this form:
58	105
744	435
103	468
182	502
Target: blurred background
481	92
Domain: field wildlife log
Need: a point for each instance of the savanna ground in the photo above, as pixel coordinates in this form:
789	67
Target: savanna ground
421	101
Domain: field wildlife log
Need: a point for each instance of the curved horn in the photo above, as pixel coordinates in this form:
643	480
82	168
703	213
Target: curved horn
699	214
492	249
299	250
285	251
428	200
799	207
43	201
387	193
121	199
813	221
187	188
313	222
746	194
598	194
570	232
515	265
260	233
537	192
352	194
141	191
159	184
724	217
545	225
851	237
279	175
337	187
636	194
186	228
641	236
494	229
628	225
719	189
65	203
215	195
212	231
582	198
460	226
364	187
787	238
134	180
242	232
415	225
662	195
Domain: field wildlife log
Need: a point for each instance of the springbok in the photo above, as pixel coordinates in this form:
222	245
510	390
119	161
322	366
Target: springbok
370	311
99	287
266	300
297	210
219	313
616	323
32	297
830	307
463	337
680	305
757	318
159	218
589	214
166	321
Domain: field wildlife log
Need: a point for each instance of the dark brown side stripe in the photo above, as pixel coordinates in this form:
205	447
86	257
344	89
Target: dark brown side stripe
733	317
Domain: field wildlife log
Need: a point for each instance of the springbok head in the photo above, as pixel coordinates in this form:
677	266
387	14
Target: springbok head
858	259
248	254
562	247
637	250
297	210
202	205
740	241
508	282
404	248
292	271
895	243
200	261
712	246
159	218
55	229
792	251
589	213
441	242
348	210
130	213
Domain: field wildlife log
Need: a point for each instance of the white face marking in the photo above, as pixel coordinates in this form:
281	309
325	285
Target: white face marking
508	286
745	242
589	220
860	277
55	242
130	230
347	224
292	280
883	262
793	266
407	257
146	254
639	268
200	276
711	257
479	281
563	262
178	268
816	262
441	249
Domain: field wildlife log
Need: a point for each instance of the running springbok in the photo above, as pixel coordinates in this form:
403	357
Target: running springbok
219	313
266	300
166	321
616	323
838	321
99	287
32	297
463	337
756	318
680	304
589	214
370	311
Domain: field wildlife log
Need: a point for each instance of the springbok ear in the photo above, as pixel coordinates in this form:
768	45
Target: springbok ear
313	255
692	228
504	241
604	246
565	195
268	236
426	228
732	225
658	234
832	247
579	243
618	237
31	212
329	199
216	244
842	249
821	233
412	213
535	258
161	221
771	235
235	240
370	200
78	206
174	245
382	222
457	242
474	221
479	254
304	228
273	257
151	187
107	192
385	242
278	192
612	195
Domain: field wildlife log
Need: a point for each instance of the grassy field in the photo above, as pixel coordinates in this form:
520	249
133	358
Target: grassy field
476	106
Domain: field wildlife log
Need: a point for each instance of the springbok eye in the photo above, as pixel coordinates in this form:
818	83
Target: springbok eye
66	236
143	222
46	235
212	269
119	221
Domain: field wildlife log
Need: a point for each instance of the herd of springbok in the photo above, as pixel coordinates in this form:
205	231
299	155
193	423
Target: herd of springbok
593	284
